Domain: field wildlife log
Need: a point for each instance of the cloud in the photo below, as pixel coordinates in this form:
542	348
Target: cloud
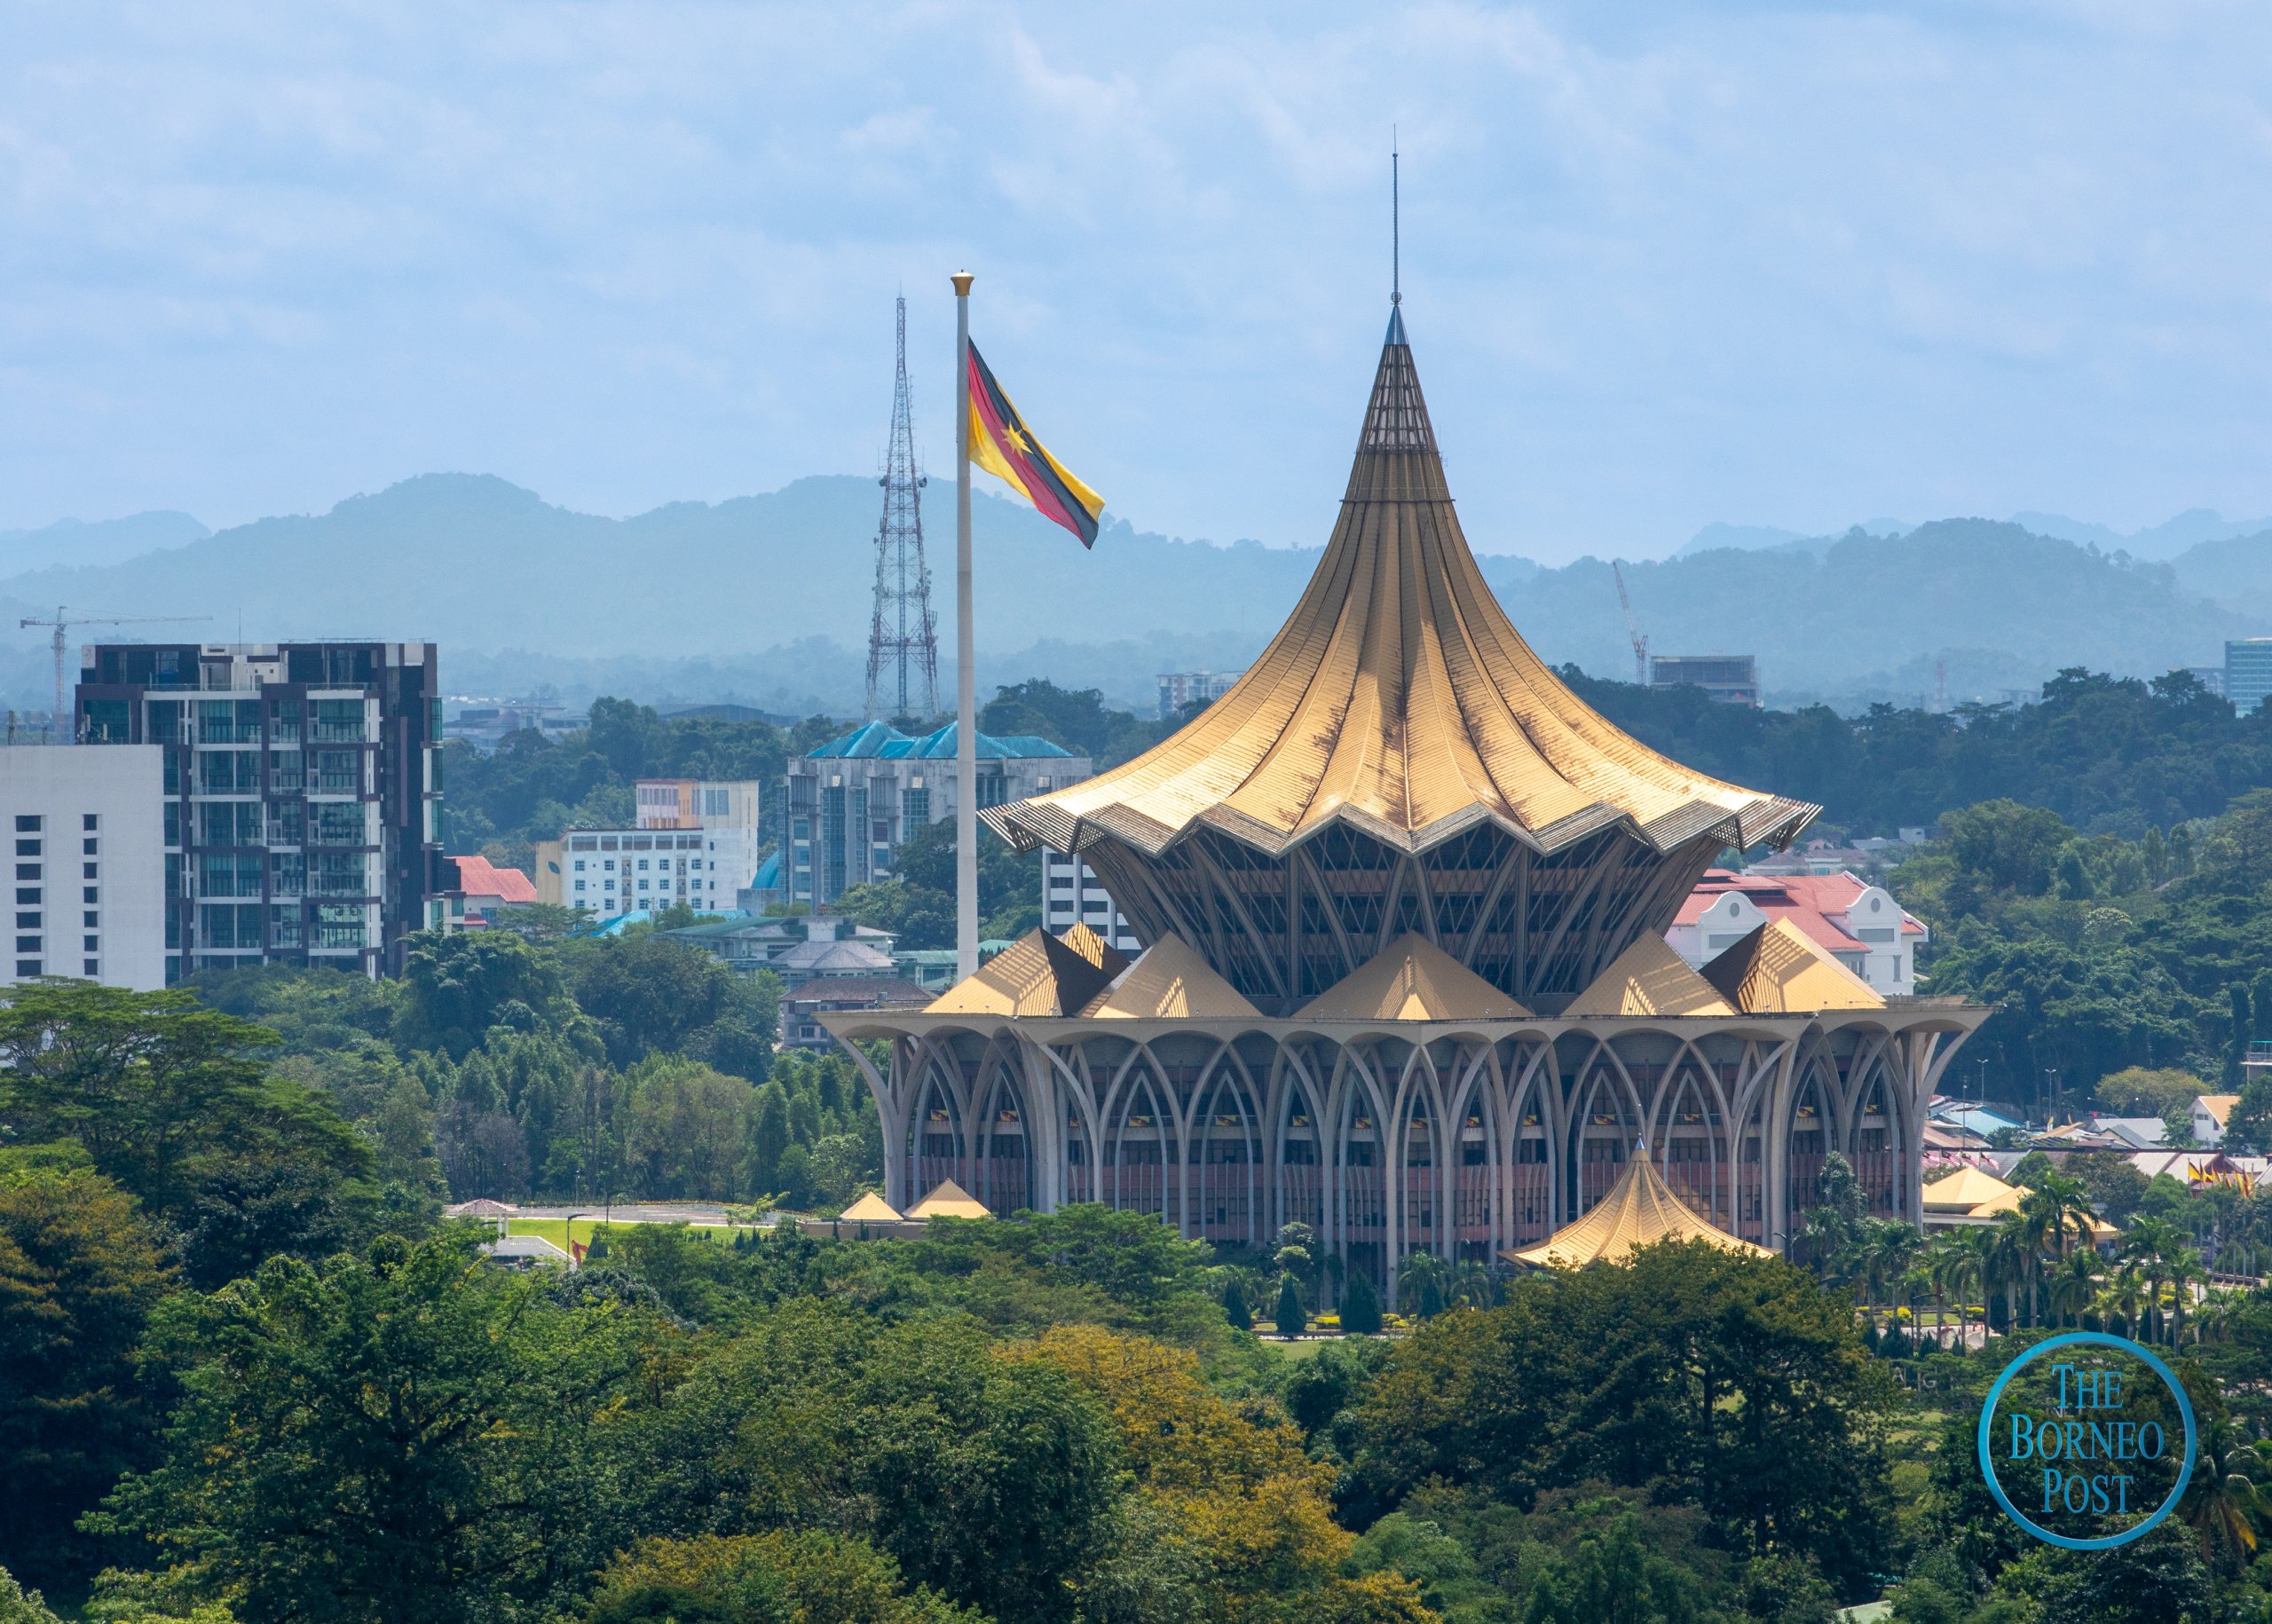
1664	264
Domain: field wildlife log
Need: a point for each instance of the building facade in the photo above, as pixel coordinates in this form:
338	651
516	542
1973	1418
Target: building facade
301	797
87	835
1731	679
693	841
1404	897
1179	689
855	800
2248	673
1859	925
1071	894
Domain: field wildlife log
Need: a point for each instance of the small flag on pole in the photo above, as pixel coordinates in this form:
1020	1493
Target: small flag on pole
1002	445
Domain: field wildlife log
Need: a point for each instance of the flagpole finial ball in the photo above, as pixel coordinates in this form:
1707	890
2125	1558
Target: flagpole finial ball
962	281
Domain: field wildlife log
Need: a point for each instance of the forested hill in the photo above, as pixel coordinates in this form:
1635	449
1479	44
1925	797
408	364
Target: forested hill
767	598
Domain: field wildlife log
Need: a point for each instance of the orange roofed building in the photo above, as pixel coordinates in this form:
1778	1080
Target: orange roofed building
1404	899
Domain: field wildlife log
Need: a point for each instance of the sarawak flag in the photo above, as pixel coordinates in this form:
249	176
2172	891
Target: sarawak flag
1002	445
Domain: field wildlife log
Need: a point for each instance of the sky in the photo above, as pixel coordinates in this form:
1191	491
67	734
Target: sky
1663	263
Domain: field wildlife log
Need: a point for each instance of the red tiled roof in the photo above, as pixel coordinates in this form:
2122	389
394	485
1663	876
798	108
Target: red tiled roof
478	877
1803	899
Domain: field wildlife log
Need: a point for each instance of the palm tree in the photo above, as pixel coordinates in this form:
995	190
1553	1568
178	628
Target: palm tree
2057	1207
2073	1285
1960	1269
1474	1284
2123	1297
2225	1503
2149	1244
2009	1253
1421	1277
1887	1249
2186	1271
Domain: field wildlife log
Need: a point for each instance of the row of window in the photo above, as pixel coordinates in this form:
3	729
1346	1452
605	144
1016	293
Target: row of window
607	864
33	940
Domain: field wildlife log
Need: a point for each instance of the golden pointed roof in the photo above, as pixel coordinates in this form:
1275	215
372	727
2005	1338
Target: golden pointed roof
1037	974
1398	697
1639	1210
948	1199
1412	979
1963	1190
1778	970
1170	981
1649	978
870	1209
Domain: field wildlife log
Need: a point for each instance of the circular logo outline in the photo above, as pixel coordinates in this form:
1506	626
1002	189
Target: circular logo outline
2104	1339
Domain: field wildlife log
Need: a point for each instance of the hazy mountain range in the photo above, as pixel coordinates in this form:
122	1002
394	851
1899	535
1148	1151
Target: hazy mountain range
766	599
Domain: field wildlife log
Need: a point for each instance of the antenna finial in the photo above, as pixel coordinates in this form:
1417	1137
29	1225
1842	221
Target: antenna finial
1395	226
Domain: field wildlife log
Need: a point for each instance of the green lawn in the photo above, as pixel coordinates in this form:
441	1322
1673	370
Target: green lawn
556	1230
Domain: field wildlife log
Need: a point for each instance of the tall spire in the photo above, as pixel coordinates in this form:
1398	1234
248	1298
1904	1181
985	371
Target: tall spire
903	633
1395	227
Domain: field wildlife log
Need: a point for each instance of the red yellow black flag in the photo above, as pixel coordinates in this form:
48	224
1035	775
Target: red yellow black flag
1002	445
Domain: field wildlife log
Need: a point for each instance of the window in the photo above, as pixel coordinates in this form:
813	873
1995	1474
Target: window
337	873
28	896
580	868
339	721
88	894
90	945
27	823
91	967
608	863
27	966
87	848
642	885
643	865
607	885
27	870
696	863
287	874
89	821
89	920
28	921
28	849
579	885
336	822
90	873
27	944
173	823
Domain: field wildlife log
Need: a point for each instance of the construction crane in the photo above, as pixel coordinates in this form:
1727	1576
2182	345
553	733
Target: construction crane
1632	629
63	620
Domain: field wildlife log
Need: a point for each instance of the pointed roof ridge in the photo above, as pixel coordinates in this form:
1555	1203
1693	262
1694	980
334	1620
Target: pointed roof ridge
1639	1209
1170	981
948	1199
1398	697
1649	978
1963	1190
870	1209
1037	974
1778	969
1412	979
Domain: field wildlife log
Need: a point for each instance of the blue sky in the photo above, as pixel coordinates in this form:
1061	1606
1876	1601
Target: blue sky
1783	265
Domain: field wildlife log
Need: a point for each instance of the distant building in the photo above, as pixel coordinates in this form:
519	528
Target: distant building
1071	894
1179	689
475	892
799	949
2209	1112
694	842
89	850
484	723
855	800
1731	679
1859	925
802	1008
303	803
2248	672
2211	677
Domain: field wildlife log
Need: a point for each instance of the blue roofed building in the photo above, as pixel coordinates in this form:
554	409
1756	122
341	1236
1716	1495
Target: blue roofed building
855	800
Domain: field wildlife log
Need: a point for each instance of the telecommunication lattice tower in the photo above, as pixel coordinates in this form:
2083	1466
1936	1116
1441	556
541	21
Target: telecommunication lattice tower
903	635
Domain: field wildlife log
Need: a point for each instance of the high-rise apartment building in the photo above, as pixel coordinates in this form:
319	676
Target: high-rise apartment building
2248	672
1072	895
855	800
1731	679
1179	689
301	793
89	863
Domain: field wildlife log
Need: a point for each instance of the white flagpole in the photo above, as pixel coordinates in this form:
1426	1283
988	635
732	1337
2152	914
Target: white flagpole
966	679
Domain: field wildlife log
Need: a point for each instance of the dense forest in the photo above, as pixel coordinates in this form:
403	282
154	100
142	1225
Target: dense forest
257	1378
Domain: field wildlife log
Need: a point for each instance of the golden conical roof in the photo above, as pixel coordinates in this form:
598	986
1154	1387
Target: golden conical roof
1639	1210
948	1199
1778	970
1169	981
1963	1190
1649	978
1412	979
1400	698
870	1209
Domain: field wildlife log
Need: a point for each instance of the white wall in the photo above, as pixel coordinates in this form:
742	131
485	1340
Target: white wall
121	788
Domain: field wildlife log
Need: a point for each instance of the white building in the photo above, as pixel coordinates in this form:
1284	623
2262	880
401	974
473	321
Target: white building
87	821
1860	924
1179	689
1071	895
694	842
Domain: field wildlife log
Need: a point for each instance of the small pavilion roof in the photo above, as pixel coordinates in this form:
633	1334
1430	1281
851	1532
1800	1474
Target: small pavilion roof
1963	1190
1037	974
1778	970
1639	1210
1649	978
1412	979
1169	981
948	1199
870	1209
